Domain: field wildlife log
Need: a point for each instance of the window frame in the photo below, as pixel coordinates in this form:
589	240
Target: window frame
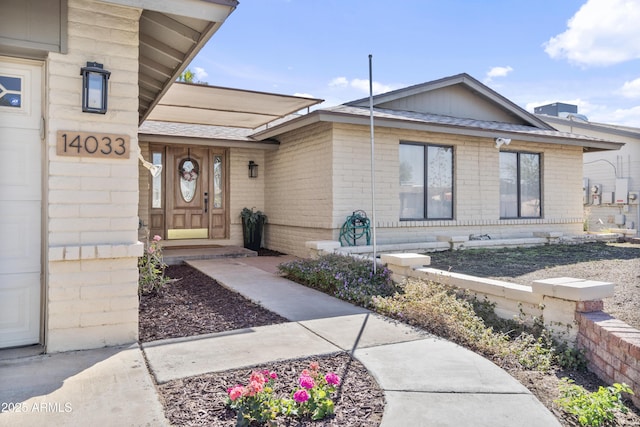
425	162
519	185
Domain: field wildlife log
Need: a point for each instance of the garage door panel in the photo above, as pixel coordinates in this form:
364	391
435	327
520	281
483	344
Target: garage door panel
20	243
19	309
20	172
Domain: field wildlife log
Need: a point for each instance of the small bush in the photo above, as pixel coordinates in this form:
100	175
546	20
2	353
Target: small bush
151	266
592	409
450	313
341	276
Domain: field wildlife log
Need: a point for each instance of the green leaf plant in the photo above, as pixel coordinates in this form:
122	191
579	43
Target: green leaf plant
592	409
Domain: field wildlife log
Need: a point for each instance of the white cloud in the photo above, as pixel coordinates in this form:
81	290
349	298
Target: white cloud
602	32
624	117
631	89
200	74
361	85
339	82
497	72
303	95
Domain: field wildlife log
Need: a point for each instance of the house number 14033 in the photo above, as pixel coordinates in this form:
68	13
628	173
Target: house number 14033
89	144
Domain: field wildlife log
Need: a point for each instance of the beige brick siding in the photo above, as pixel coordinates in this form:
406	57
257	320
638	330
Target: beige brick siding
245	192
301	194
92	216
298	189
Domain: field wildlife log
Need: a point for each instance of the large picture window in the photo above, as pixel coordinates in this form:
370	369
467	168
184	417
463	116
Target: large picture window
520	185
426	181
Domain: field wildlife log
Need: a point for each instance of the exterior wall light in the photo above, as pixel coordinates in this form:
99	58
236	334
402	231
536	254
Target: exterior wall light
500	141
253	169
94	88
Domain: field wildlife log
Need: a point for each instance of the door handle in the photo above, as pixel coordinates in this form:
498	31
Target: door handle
206	202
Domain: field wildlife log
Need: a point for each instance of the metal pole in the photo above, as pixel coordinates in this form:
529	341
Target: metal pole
373	164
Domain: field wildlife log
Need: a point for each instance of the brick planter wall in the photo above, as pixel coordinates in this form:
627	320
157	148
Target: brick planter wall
612	349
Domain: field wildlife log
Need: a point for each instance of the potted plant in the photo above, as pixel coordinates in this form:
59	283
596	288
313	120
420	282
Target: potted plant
252	227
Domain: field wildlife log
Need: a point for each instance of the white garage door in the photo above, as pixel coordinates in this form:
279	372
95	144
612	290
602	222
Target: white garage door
20	202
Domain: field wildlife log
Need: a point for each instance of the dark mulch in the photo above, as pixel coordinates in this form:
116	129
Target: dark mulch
196	304
200	401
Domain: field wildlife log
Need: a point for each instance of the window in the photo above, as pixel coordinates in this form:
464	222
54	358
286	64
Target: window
10	91
426	181
156	183
217	182
520	185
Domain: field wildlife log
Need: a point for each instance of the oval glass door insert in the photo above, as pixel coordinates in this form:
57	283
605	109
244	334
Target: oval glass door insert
189	172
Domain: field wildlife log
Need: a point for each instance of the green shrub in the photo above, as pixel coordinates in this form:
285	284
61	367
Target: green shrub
151	266
341	276
592	409
440	309
450	313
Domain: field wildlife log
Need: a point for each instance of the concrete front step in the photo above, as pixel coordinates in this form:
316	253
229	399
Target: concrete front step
174	256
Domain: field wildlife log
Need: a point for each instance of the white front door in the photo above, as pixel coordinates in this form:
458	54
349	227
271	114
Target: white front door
20	201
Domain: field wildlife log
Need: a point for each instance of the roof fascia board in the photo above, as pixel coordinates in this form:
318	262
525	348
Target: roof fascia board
328	116
209	142
210	10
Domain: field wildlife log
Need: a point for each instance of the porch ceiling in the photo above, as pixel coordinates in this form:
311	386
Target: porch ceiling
218	106
172	32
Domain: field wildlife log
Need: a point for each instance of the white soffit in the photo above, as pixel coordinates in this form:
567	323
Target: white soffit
217	106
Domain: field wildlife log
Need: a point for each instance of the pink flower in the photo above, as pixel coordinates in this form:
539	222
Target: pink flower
306	382
301	396
151	249
255	387
235	392
257	377
157	238
332	379
314	366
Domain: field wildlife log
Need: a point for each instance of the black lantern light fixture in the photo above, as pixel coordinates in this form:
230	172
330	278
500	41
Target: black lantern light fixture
253	169
94	88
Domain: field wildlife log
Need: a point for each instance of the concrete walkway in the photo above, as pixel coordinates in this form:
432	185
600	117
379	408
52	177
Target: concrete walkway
427	381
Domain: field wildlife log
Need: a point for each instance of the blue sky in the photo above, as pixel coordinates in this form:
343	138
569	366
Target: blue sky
585	52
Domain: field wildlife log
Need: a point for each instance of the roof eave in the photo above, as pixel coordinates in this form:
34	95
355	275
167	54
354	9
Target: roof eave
212	142
601	127
345	118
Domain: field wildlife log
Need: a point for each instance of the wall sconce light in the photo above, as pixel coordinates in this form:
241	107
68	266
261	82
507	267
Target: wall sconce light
500	141
253	169
155	170
94	88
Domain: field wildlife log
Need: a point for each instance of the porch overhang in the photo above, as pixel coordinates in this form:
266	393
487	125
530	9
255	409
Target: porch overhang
218	106
171	34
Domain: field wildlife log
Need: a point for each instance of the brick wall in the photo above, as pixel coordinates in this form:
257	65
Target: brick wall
612	348
324	171
91	216
245	192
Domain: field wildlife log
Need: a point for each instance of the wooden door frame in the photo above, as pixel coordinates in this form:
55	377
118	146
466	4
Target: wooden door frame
212	151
